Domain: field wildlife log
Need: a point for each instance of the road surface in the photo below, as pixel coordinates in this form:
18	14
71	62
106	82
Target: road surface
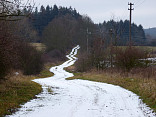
81	98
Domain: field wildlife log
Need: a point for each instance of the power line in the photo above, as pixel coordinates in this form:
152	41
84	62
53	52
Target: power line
137	2
140	3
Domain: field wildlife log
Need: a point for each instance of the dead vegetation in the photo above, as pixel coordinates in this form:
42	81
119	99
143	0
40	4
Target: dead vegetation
16	90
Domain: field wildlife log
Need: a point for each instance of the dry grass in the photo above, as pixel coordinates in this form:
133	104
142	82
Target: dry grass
39	46
144	87
15	91
150	49
19	89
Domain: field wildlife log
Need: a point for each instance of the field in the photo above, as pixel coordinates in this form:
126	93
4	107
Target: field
39	46
150	49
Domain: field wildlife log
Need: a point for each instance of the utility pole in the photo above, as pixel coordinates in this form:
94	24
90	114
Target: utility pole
111	48
87	39
130	41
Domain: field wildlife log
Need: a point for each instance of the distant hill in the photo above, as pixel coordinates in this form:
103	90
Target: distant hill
151	32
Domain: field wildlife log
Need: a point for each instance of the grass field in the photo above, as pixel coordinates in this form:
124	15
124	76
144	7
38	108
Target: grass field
15	91
150	49
39	46
144	87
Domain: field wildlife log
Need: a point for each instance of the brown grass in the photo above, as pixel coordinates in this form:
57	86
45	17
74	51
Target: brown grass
39	46
15	91
18	89
150	49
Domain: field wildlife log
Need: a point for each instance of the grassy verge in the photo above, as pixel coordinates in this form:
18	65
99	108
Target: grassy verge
145	88
16	91
19	89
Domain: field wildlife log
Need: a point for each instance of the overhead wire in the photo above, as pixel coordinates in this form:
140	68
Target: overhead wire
122	18
140	3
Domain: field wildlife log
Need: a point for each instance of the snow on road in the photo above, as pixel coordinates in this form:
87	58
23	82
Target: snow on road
81	98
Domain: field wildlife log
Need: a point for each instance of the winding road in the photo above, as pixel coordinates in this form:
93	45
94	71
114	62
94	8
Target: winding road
81	98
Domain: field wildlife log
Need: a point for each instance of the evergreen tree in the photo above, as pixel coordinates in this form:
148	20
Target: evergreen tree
41	19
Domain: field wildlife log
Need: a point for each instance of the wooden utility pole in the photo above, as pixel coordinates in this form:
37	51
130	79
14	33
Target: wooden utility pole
87	40
130	41
111	48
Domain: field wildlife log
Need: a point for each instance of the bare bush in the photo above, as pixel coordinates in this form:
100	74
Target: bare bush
129	58
30	59
95	58
17	54
84	63
8	57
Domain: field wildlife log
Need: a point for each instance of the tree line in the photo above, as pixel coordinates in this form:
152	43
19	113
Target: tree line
59	28
120	32
41	18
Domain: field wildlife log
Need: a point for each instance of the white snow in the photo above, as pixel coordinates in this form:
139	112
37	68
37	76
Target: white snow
151	59
81	98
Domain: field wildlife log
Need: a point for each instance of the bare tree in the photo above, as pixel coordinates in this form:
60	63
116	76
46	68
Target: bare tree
10	9
61	29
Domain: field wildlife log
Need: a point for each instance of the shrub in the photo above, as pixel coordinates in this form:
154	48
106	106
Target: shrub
30	59
84	62
129	58
8	56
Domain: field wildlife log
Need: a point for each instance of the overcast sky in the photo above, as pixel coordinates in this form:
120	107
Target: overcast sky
99	10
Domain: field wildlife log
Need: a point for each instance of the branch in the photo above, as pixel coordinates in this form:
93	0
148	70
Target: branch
13	8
